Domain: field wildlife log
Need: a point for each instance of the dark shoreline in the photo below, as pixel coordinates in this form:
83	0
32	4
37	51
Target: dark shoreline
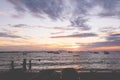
45	75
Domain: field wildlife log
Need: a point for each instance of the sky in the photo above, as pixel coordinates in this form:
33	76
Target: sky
74	25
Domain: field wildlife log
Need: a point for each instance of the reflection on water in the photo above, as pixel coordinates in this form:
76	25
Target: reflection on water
44	60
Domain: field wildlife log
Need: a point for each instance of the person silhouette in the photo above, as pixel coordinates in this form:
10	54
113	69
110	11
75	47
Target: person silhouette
24	64
30	65
12	65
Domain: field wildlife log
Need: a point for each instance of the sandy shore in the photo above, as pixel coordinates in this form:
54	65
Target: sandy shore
68	73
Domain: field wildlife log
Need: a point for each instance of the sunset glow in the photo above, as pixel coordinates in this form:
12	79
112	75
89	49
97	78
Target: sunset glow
75	25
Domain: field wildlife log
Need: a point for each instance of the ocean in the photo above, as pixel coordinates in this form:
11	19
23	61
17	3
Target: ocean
50	60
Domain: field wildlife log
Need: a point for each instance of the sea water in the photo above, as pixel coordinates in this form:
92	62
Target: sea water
45	60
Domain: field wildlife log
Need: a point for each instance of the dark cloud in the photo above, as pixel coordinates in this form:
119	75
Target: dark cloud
76	12
52	8
114	37
111	40
80	23
82	35
83	7
19	25
8	35
104	44
110	7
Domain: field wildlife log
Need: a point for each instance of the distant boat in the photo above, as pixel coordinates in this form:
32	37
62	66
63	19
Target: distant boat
96	52
70	51
24	53
54	52
106	52
76	55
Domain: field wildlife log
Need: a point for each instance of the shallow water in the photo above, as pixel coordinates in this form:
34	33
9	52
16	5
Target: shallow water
87	60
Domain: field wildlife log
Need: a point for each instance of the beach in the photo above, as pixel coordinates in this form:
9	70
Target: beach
53	75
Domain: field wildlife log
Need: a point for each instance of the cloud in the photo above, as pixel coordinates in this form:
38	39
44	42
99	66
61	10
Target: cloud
55	9
110	7
111	40
104	44
80	23
82	35
114	37
54	33
18	25
52	8
63	28
109	29
75	11
8	35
